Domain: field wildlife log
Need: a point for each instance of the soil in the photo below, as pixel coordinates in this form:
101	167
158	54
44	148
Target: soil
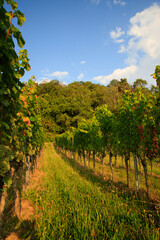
13	236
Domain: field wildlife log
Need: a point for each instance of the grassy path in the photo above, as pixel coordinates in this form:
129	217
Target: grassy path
72	203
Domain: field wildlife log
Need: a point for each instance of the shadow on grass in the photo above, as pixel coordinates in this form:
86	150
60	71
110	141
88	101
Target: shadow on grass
17	229
14	228
115	187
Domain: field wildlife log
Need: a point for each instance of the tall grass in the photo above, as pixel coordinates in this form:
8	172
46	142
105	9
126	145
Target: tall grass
120	174
74	204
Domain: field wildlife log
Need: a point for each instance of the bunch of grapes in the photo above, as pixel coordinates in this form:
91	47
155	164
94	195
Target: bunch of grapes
140	128
152	150
155	141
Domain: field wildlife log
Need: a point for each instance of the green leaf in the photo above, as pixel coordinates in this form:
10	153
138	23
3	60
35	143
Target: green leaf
7	181
8	15
21	72
3	190
5	125
5	103
20	40
28	67
14	29
14	5
33	119
1	3
21	18
17	75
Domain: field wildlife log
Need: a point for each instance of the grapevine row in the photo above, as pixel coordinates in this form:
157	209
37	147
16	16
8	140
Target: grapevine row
133	130
21	136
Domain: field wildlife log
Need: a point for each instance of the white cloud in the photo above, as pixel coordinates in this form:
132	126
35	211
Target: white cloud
142	49
144	36
116	34
99	78
122	49
144	31
64	83
80	77
119	40
117	74
57	74
119	2
44	80
82	62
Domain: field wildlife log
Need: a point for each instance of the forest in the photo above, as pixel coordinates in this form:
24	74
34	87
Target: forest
57	130
64	106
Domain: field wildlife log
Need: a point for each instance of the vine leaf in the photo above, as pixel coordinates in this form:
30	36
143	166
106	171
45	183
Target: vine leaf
7	181
21	18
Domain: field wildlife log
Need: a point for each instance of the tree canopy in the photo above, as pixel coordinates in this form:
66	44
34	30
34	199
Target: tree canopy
64	106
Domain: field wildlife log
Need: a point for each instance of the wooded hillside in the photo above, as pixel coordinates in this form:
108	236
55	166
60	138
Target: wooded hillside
64	106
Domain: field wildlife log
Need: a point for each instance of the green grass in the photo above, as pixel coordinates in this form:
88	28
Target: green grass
120	174
75	203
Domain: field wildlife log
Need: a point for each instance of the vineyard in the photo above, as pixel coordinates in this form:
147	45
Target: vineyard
101	167
133	130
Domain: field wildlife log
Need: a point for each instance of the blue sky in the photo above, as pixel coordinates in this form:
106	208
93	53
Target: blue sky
91	40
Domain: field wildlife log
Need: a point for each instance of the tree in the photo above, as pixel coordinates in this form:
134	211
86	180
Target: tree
139	83
156	75
116	90
106	121
47	88
92	138
113	82
137	129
